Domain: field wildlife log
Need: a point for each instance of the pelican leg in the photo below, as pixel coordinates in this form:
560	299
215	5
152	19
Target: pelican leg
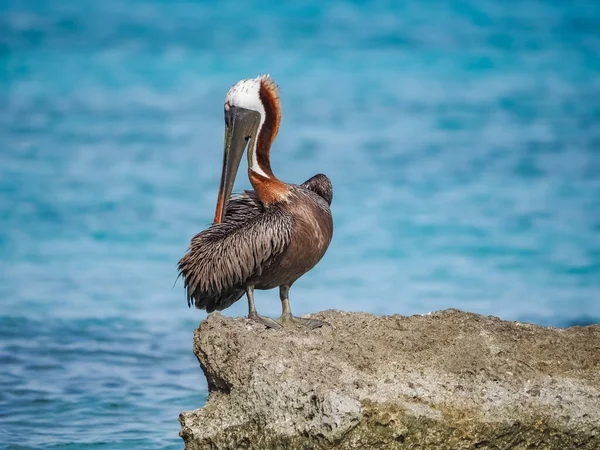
286	313
253	315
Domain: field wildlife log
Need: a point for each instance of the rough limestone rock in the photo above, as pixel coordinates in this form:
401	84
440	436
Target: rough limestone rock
447	380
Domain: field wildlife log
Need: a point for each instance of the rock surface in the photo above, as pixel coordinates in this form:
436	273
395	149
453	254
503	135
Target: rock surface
447	380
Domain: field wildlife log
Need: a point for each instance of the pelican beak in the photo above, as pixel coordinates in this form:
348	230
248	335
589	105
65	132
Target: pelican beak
241	126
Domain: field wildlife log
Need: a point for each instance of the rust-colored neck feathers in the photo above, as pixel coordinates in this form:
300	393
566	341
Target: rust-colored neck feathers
268	188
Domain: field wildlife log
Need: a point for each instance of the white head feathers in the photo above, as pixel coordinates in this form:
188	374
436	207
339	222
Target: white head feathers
247	94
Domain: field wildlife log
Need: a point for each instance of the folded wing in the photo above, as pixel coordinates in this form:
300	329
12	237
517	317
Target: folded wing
222	258
320	185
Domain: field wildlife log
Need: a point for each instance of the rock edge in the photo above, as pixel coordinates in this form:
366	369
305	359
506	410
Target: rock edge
446	380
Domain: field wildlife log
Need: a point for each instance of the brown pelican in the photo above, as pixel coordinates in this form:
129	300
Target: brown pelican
264	238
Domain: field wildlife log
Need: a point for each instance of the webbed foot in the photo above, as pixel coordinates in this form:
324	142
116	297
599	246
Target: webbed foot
266	321
285	321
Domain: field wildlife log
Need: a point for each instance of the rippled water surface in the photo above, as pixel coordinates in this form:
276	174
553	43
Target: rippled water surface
462	139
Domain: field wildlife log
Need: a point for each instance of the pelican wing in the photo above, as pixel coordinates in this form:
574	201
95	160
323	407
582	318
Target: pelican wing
320	185
222	258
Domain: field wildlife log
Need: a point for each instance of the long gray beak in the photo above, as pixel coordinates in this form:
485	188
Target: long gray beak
241	125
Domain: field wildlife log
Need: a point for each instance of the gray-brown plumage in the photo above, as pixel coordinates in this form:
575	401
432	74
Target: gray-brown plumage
264	238
253	238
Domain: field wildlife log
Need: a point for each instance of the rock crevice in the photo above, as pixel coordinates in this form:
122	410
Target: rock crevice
446	380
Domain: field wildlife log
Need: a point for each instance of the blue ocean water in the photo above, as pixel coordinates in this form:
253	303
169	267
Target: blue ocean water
462	139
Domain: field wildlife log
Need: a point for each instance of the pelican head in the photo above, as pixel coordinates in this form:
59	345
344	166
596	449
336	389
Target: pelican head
246	107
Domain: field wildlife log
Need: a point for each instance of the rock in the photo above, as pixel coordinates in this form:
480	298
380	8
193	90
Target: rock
446	380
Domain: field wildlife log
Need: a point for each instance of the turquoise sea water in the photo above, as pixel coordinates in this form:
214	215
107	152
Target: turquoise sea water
462	139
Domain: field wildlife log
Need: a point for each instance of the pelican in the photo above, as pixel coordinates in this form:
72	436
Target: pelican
260	239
